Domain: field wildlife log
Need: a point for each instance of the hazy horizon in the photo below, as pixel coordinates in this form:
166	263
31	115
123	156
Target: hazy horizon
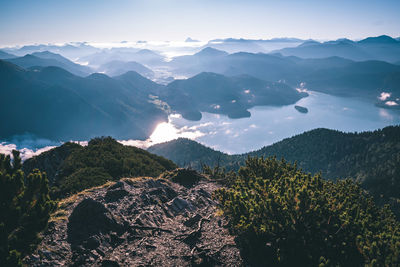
29	22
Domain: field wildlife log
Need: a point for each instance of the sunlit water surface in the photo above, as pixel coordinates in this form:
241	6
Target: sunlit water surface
266	125
271	124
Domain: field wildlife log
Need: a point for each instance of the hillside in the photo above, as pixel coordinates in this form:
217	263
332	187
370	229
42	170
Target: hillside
47	59
4	55
372	158
62	106
190	154
231	96
330	74
72	168
382	48
118	67
50	161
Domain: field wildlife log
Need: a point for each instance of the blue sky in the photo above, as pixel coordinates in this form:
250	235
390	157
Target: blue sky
53	21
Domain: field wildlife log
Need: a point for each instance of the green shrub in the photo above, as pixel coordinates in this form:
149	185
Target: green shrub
285	217
82	179
101	160
24	209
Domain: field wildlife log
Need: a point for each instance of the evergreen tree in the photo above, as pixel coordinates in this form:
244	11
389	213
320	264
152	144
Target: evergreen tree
285	217
25	208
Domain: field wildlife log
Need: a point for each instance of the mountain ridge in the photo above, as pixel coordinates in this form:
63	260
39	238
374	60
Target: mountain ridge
334	153
47	59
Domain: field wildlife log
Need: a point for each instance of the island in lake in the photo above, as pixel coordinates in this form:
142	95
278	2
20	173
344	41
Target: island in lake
301	109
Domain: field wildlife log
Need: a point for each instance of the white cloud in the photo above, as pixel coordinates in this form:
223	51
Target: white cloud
384	96
391	103
26	153
175	116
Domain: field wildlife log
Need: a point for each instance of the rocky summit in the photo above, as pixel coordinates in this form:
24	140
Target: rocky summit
139	222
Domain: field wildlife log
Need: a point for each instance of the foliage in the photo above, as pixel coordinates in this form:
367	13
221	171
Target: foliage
371	158
25	208
105	159
219	174
190	154
50	161
285	217
84	178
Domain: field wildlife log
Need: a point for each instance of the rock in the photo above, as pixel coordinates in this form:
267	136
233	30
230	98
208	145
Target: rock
115	240
117	185
159	223
163	194
46	254
109	263
192	221
178	205
114	195
91	243
90	218
185	177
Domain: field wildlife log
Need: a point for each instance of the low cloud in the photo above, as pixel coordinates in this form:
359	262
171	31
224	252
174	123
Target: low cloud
391	103
30	146
26	153
384	96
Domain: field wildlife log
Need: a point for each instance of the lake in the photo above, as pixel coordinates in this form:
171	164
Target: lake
266	125
271	124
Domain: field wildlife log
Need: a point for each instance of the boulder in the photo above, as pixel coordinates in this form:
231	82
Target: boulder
90	218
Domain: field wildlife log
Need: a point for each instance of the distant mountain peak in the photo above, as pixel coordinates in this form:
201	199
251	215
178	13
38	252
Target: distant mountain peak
53	71
309	43
30	56
209	51
50	55
131	74
44	53
5	55
379	39
98	76
344	41
190	40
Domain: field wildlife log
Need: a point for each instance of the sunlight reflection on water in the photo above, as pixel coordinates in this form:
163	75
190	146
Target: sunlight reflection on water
266	125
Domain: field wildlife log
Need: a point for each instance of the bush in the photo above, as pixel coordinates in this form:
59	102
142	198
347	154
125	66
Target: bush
101	160
285	217
24	209
82	179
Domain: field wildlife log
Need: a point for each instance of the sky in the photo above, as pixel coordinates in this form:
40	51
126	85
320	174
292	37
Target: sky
59	21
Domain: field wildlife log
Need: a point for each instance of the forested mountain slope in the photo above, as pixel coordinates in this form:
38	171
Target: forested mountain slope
373	158
52	103
72	167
